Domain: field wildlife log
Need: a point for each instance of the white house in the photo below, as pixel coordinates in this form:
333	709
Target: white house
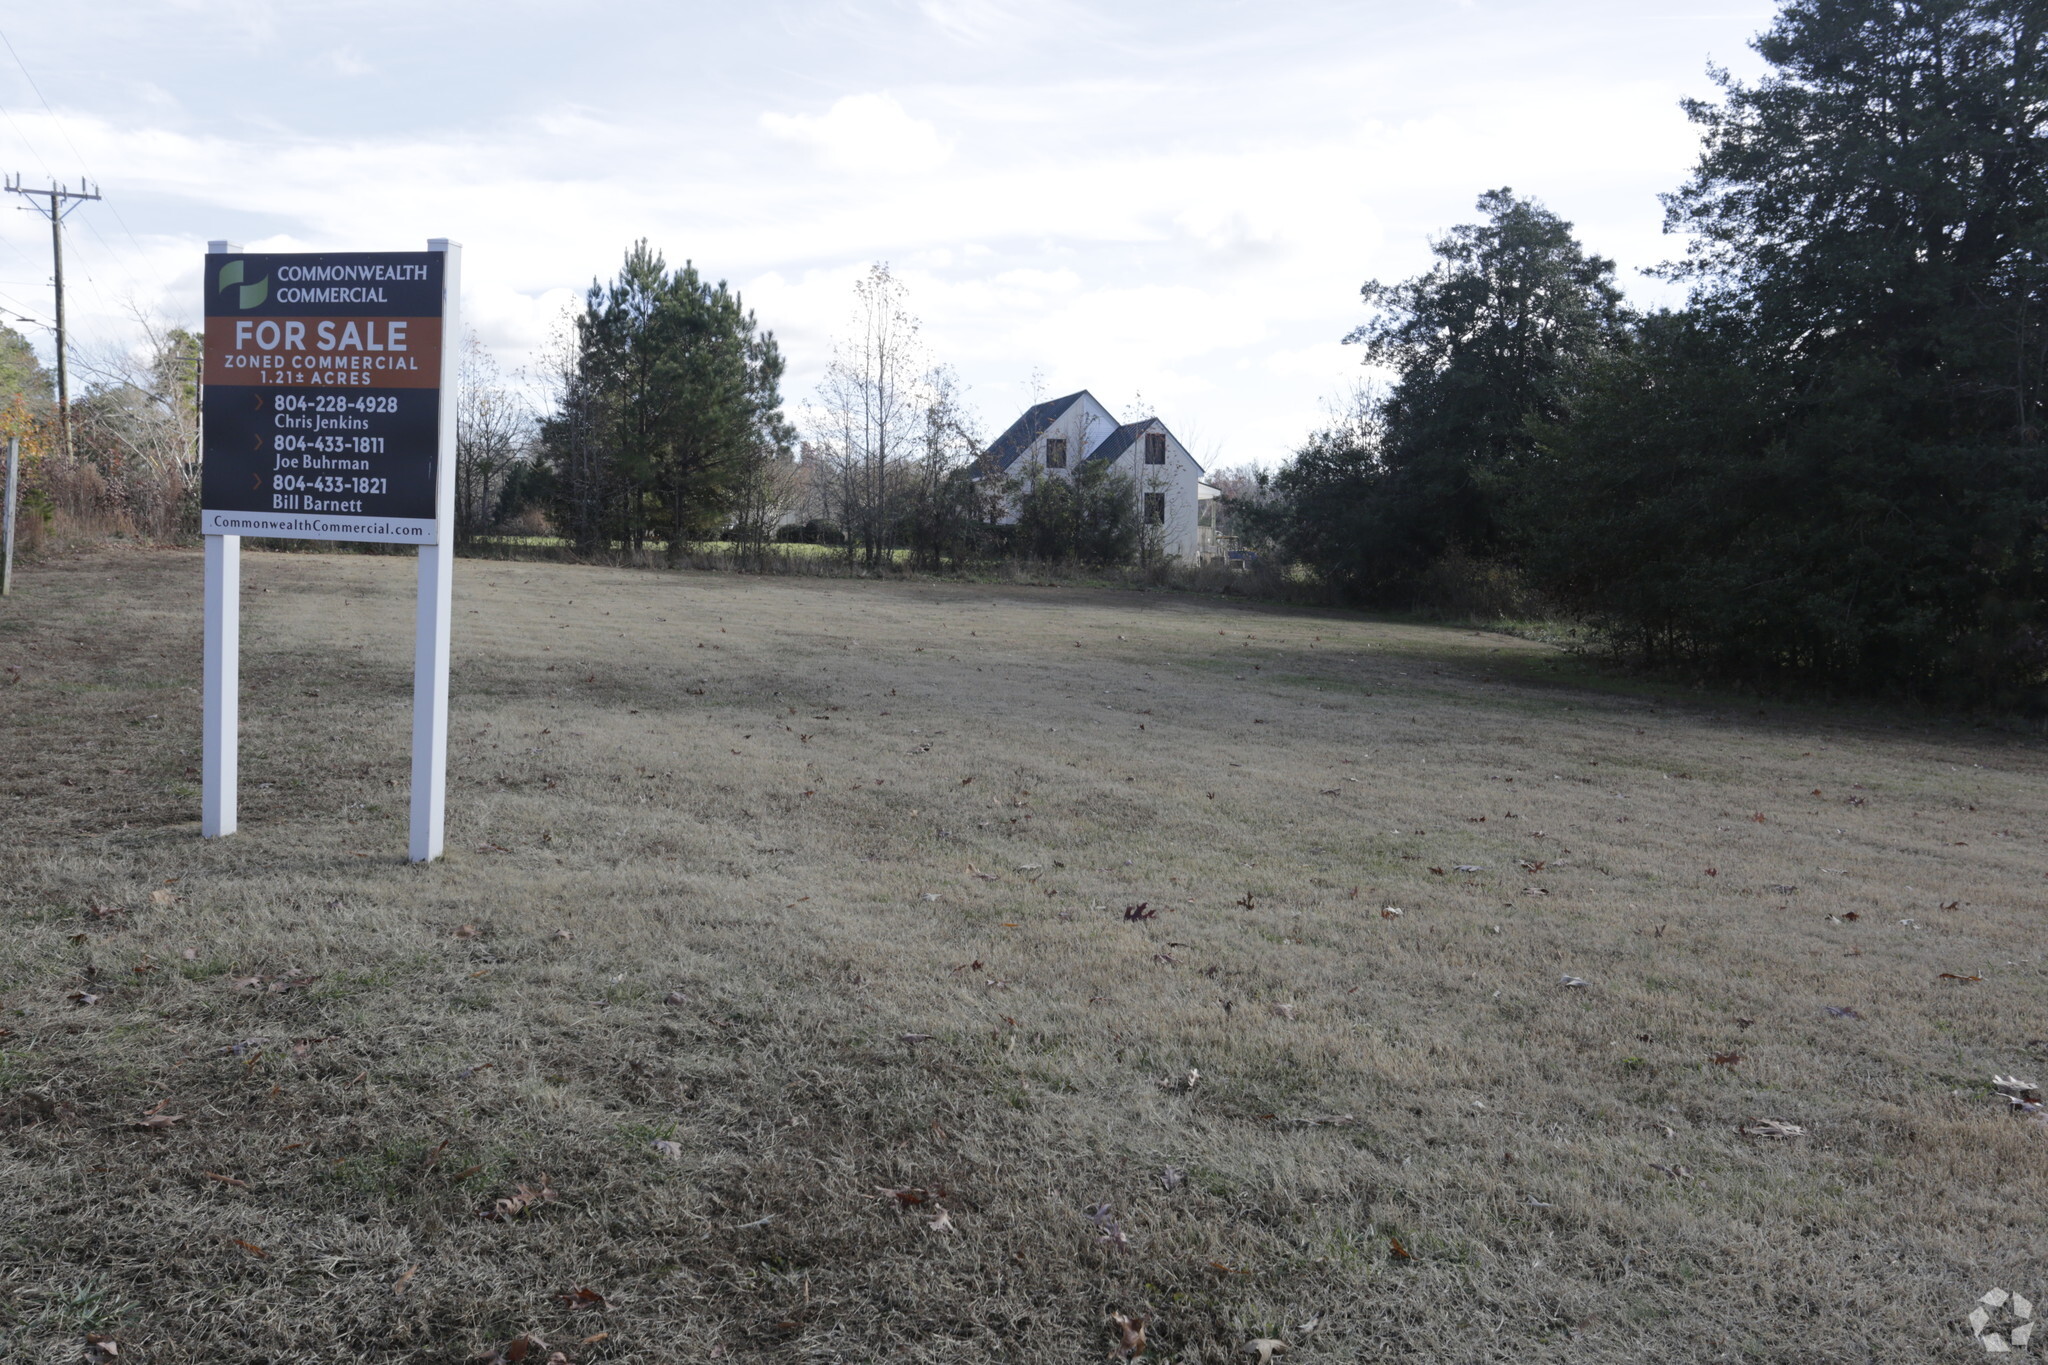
1057	437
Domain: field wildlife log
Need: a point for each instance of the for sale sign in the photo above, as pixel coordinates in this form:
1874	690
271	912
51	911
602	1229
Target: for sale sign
323	395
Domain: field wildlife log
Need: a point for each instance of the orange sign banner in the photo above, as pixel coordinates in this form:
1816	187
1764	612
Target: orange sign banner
348	353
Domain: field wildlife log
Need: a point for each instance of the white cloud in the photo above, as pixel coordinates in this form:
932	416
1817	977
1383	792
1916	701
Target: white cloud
347	61
863	134
1182	201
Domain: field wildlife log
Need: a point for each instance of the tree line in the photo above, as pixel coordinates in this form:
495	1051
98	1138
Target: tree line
1826	467
666	428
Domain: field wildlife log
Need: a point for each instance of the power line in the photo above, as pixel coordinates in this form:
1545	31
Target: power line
23	311
65	133
20	133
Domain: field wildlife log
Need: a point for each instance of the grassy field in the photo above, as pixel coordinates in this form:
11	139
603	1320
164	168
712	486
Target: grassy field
839	971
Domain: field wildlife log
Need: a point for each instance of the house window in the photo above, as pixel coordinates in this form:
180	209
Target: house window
1155	447
1155	509
1056	452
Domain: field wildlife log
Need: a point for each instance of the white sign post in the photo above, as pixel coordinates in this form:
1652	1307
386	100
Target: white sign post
7	518
330	403
437	578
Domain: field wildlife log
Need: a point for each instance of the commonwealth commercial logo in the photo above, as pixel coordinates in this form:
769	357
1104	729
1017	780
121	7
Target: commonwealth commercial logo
231	276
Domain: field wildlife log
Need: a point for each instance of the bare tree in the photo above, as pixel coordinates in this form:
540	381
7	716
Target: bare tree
949	508
493	426
771	487
136	433
870	413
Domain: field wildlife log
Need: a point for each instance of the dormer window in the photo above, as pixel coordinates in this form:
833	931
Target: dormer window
1055	452
1155	447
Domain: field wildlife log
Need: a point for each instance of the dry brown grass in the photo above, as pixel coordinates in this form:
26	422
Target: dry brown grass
825	815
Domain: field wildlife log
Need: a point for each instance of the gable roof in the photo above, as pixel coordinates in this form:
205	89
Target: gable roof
1120	440
1124	436
1004	450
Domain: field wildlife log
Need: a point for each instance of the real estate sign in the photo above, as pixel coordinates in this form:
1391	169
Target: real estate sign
329	411
323	395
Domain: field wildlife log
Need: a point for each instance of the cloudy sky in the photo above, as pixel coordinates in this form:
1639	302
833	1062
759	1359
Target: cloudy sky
1166	203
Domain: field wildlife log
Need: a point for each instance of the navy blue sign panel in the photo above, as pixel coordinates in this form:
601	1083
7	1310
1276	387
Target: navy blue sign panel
322	395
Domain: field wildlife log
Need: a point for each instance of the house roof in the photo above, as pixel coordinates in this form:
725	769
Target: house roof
1004	450
1119	441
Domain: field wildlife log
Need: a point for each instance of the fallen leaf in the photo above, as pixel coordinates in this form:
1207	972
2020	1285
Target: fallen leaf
252	1248
1572	982
1771	1128
99	1348
156	1120
515	1351
1130	1337
83	998
663	1147
163	898
675	998
1843	1012
943	1222
1951	976
1140	911
563	936
906	1196
578	1299
1392	912
465	931
1283	1011
1401	1253
522	1199
400	1285
1726	1058
1267	1348
190	954
1171	1178
226	1179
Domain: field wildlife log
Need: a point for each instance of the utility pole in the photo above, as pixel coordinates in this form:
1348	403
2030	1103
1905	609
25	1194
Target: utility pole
62	202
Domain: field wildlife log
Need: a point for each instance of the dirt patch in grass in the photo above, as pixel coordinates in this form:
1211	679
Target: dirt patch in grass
836	971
